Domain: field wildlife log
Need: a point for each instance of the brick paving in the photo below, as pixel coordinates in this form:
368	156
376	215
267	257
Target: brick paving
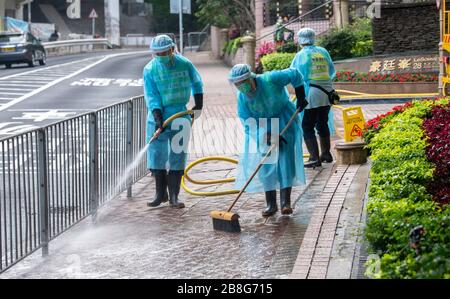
315	250
129	240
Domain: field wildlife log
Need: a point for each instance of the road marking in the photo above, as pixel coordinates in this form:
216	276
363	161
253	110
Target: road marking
13	93
16	89
31	110
20	82
106	82
13	128
55	82
70	63
43	69
53	114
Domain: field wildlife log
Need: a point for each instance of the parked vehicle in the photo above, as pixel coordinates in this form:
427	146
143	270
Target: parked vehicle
21	47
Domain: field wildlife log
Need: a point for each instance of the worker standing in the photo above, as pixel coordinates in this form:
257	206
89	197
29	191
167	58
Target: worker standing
262	100
317	68
169	80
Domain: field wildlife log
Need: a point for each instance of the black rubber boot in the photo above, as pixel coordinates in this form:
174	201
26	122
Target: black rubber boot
325	146
313	149
174	188
271	200
285	201
161	188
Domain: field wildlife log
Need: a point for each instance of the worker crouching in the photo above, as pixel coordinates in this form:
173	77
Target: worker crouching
264	108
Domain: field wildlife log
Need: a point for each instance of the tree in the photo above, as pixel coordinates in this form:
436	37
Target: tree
224	13
164	21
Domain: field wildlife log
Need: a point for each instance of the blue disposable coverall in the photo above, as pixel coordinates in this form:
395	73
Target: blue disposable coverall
316	66
168	87
270	101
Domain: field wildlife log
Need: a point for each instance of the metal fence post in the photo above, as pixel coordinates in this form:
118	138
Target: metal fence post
130	140
43	192
93	164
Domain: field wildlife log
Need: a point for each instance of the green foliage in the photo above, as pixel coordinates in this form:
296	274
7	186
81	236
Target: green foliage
354	40
362	48
231	46
163	21
399	201
339	42
289	47
224	13
277	61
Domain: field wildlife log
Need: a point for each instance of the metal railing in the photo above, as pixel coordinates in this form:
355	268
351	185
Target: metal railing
297	21
77	42
54	177
195	40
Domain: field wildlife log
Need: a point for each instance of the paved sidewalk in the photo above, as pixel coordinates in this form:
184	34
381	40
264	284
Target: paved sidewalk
129	240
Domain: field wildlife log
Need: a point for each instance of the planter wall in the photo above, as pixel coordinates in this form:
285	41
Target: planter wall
231	60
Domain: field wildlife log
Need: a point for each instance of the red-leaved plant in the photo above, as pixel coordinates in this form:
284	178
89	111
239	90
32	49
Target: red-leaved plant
375	124
264	49
437	130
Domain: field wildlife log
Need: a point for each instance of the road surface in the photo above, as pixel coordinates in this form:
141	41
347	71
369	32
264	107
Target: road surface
67	86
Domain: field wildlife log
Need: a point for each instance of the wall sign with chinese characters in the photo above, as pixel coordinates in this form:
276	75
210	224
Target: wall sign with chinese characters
417	64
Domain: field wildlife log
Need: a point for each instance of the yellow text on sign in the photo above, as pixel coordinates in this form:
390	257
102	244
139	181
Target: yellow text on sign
353	123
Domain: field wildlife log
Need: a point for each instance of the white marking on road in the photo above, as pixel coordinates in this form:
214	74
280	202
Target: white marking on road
106	82
16	89
18	85
53	83
47	115
13	93
47	68
15	128
21	82
21	110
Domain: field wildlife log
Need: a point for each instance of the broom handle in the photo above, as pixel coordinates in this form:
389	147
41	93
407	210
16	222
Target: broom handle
263	160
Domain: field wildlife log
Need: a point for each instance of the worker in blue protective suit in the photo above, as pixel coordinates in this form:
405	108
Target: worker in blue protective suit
264	109
169	80
318	71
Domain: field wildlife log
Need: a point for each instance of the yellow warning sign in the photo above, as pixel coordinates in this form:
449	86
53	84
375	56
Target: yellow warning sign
353	123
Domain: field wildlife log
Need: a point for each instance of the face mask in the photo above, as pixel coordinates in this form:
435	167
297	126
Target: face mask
164	59
245	88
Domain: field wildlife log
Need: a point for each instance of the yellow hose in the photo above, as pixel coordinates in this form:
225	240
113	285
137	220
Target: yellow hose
177	115
208	182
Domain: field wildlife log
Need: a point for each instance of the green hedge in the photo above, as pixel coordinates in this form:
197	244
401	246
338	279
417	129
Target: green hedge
399	201
354	40
231	46
277	61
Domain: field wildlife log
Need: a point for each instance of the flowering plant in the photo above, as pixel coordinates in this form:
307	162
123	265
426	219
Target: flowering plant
377	77
374	125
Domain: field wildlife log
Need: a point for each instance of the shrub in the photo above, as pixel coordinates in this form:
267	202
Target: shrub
231	46
354	40
264	49
339	43
399	200
289	47
346	76
362	48
277	61
437	129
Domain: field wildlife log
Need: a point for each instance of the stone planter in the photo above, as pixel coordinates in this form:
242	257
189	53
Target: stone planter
231	60
349	153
